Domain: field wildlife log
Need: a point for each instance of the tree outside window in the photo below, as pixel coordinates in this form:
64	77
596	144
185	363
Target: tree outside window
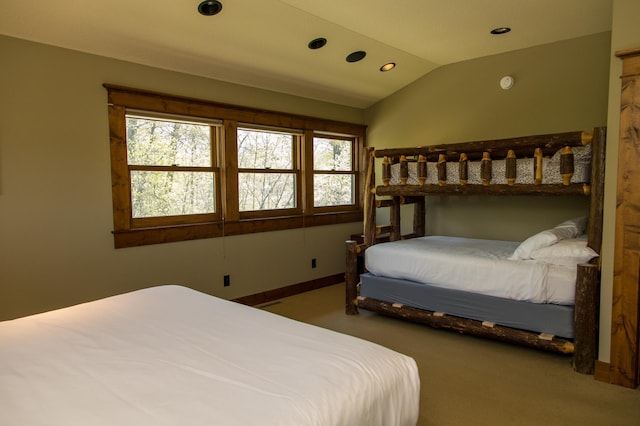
184	169
266	170
171	167
334	174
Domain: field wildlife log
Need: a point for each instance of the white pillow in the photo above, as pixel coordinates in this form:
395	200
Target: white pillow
568	229
571	228
527	247
565	252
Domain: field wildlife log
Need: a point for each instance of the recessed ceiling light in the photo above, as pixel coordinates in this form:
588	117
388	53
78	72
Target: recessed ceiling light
388	66
356	56
500	30
317	43
210	7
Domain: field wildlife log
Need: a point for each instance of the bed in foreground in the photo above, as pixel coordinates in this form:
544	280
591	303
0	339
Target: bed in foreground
172	355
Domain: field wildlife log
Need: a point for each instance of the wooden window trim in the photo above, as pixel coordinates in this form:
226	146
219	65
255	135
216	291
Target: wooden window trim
295	170
231	221
216	216
356	173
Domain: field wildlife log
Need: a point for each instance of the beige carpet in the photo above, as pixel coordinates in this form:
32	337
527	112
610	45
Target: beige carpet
471	381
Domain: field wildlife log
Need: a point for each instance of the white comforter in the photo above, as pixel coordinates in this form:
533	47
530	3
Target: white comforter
475	265
169	355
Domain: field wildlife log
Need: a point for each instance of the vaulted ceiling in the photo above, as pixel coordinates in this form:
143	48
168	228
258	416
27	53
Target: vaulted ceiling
264	43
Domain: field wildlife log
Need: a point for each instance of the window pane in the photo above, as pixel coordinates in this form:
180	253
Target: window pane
156	194
264	150
332	154
153	142
333	190
266	191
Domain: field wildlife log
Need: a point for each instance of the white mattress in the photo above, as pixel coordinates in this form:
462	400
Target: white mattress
169	355
475	265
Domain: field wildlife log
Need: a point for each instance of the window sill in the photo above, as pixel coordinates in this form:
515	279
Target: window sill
169	234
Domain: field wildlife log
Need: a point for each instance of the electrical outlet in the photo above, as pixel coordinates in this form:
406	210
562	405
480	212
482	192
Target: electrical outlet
227	280
313	263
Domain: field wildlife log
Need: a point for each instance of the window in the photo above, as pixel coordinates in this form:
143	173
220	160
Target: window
334	174
186	169
267	171
172	170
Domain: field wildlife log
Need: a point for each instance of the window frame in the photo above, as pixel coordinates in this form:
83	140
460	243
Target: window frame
171	220
355	154
295	170
227	220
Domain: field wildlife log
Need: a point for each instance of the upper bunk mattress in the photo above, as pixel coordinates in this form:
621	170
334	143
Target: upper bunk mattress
474	265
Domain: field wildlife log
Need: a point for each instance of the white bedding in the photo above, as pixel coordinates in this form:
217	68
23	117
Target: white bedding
169	355
475	265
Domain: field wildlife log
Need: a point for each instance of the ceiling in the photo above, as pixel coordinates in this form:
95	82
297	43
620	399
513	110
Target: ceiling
263	43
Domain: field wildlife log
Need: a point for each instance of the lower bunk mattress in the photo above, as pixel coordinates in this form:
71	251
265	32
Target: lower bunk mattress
473	265
537	317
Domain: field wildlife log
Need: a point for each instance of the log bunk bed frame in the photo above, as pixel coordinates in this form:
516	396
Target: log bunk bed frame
583	347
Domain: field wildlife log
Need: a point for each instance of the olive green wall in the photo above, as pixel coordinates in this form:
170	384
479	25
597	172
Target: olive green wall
56	247
557	87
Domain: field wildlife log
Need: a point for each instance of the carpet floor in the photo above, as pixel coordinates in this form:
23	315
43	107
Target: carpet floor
467	380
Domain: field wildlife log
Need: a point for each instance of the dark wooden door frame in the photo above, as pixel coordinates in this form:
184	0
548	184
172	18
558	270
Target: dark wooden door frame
624	366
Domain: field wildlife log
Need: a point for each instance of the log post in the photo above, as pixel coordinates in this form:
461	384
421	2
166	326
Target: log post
485	168
386	171
594	224
566	165
422	169
404	170
537	166
419	228
351	278
442	170
511	167
586	319
394	218
464	169
369	200
587	137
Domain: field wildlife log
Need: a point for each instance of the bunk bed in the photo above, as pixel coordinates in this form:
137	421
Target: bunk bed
561	164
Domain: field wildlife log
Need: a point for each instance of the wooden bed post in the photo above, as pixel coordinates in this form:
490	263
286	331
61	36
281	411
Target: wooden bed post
369	200
351	278
587	300
419	228
594	224
587	309
394	218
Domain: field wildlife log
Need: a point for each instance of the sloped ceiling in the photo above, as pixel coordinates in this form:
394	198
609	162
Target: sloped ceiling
263	43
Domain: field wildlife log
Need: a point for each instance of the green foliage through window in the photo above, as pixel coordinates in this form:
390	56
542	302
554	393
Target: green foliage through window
334	175
170	166
266	172
185	168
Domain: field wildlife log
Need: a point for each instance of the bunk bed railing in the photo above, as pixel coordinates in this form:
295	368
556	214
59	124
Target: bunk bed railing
532	149
522	146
